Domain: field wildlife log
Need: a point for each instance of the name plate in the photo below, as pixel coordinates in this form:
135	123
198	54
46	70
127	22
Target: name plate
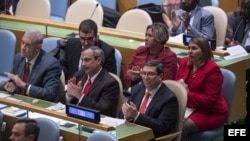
83	113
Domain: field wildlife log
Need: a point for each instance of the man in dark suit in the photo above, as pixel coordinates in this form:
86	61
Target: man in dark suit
160	111
94	87
25	130
87	37
39	79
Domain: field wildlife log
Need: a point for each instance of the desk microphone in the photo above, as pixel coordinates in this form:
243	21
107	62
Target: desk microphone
97	4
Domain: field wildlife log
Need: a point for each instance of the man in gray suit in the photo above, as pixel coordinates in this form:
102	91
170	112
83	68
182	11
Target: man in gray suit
94	87
35	73
193	20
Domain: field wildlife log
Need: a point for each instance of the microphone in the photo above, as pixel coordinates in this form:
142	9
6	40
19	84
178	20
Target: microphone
97	4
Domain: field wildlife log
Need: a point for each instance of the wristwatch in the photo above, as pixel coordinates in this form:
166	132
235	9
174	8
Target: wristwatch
27	85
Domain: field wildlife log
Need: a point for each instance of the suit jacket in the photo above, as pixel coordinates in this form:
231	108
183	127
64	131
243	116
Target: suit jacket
205	88
203	24
239	32
73	50
44	76
162	111
103	95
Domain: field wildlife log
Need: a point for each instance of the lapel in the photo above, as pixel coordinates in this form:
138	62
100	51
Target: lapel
35	68
98	80
21	68
157	97
197	17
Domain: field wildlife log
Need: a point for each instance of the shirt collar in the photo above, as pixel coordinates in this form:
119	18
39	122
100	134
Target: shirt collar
94	76
153	92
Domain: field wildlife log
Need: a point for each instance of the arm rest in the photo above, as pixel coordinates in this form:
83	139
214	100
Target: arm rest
168	137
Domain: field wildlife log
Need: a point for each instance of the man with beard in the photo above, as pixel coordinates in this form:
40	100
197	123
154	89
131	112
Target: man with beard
193	20
241	35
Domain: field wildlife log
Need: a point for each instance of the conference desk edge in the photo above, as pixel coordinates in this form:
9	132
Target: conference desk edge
145	134
101	30
37	109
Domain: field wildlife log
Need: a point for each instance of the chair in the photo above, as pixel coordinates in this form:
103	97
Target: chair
7	50
135	20
58	9
220	21
50	43
34	9
142	2
85	9
108	3
101	136
118	58
49	130
120	102
181	94
228	91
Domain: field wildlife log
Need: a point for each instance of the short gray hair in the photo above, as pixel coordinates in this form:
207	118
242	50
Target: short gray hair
36	35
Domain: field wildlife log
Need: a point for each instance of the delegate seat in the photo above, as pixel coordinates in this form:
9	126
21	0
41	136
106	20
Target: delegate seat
134	20
7	50
85	9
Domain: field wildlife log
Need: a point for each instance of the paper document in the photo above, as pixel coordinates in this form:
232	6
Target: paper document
14	111
235	52
112	121
177	39
188	112
4	95
59	107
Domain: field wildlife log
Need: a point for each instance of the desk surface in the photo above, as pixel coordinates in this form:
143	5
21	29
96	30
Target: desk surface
127	131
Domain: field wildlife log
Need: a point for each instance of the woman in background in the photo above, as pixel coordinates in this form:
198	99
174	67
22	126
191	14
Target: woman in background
203	80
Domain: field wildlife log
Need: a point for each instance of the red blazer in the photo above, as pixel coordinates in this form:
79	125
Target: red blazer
205	87
167	57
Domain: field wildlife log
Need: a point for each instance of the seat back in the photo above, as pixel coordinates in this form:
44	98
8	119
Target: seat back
118	59
220	21
181	94
7	50
50	43
134	20
108	3
49	130
228	89
85	9
120	102
34	9
141	2
58	9
101	136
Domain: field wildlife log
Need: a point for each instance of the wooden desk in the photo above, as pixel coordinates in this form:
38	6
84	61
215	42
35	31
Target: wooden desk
125	132
122	41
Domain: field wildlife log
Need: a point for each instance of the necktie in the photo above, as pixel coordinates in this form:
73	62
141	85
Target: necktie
26	76
144	103
87	87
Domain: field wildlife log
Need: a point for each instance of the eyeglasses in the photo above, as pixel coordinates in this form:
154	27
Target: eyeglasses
87	39
148	74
